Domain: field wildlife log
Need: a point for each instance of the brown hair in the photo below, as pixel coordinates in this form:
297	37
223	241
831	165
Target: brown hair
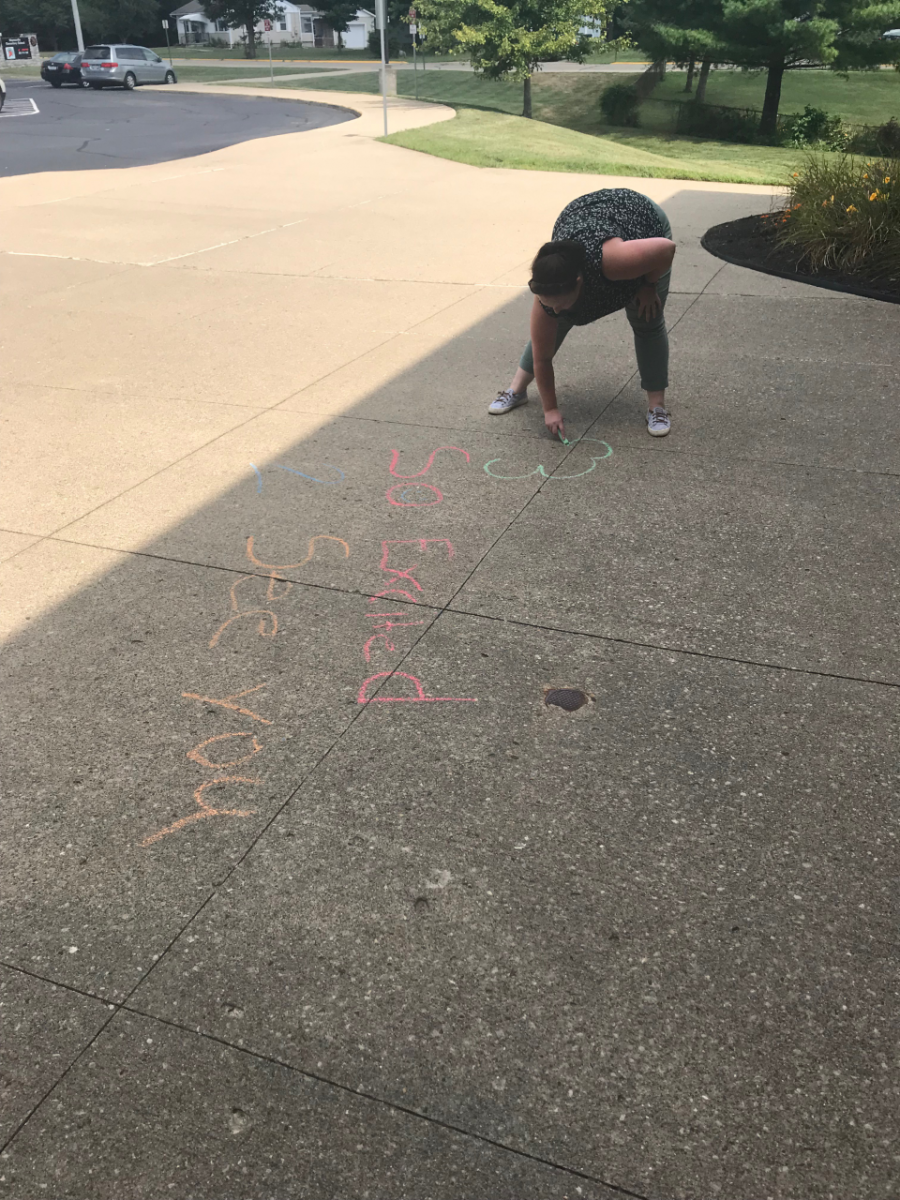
556	268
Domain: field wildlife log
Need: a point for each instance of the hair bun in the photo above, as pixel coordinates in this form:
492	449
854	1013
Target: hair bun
556	268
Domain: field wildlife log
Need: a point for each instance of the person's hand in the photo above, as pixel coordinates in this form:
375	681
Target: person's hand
554	422
648	302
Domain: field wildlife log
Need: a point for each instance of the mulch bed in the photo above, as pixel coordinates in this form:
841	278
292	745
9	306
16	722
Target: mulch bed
750	242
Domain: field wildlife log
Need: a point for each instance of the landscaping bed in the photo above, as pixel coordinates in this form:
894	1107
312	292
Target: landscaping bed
753	242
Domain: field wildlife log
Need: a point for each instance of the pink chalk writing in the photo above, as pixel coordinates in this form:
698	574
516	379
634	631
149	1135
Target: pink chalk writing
376	637
398	501
419	698
395	455
422	543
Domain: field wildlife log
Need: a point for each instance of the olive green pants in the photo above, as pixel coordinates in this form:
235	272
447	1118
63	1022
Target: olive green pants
651	341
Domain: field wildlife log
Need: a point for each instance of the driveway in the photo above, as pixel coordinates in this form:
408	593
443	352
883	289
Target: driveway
68	129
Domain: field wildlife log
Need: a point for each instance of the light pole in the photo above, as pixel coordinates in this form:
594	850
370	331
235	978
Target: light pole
79	36
381	22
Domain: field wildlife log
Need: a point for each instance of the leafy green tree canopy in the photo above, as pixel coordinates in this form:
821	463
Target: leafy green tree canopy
338	14
775	35
242	12
507	39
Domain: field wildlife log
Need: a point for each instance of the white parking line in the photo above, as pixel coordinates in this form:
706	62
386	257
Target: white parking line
19	108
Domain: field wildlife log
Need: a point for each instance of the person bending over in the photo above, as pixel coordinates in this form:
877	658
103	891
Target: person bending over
611	249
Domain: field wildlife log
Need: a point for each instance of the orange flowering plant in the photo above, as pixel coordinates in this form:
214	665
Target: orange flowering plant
844	213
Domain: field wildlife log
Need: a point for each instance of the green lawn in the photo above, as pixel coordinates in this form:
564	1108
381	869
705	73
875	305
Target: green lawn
570	100
489	139
865	98
568	135
226	74
291	53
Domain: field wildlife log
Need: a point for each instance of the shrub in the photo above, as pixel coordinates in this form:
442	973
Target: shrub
716	121
844	213
814	126
619	104
395	43
888	138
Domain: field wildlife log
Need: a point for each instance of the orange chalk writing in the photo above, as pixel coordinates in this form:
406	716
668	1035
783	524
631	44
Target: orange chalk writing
228	702
271	592
418	698
320	537
201	758
262	613
395	455
205	810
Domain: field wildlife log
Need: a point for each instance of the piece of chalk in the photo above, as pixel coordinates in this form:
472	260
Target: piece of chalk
564	440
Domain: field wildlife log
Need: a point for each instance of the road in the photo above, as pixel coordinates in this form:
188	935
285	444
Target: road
45	129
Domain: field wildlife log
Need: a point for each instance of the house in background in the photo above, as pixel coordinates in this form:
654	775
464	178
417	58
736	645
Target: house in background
298	23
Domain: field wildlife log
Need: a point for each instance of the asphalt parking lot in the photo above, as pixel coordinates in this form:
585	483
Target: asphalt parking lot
70	129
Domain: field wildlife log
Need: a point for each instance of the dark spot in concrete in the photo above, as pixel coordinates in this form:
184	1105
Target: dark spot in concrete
568	699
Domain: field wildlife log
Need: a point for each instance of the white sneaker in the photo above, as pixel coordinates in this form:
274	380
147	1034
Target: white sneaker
658	422
507	401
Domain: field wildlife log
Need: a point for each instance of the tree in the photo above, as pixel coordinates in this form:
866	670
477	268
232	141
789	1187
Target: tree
691	32
775	35
338	14
50	20
242	12
508	39
779	35
101	20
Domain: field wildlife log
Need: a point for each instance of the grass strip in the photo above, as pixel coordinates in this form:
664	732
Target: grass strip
489	139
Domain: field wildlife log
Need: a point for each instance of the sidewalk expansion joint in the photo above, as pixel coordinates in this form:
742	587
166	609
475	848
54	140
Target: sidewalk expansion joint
373	1098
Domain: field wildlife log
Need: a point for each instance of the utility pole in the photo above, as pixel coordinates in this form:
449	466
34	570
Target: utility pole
381	22
79	36
413	29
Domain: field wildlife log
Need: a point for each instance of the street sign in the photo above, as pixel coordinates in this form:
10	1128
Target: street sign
165	24
412	30
267	26
381	14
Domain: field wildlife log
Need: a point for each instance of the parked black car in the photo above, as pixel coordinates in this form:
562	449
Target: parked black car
64	68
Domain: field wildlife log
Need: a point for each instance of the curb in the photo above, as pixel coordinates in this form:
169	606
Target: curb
814	281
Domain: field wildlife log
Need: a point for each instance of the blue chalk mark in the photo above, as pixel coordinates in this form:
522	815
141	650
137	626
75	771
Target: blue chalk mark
312	478
404	495
258	478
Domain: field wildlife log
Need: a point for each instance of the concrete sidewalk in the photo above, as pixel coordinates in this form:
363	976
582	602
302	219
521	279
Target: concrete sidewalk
307	890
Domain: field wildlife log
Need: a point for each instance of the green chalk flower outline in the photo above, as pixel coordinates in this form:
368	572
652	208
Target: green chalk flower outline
539	469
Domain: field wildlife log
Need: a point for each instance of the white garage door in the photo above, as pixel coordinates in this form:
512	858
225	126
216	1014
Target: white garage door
356	38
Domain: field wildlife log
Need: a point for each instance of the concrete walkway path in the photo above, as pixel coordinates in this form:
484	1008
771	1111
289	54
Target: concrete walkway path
307	891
